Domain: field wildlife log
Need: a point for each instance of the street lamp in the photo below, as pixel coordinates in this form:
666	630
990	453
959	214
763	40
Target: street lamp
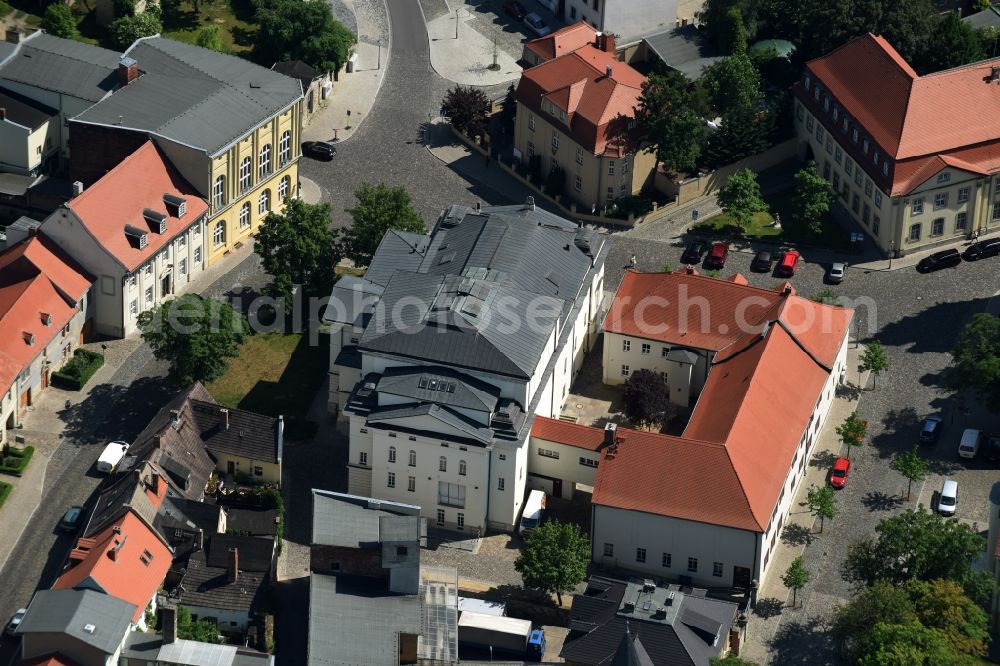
456	24
892	249
379	54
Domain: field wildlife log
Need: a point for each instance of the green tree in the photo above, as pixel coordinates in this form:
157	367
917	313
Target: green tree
852	431
741	133
58	20
730	660
203	631
733	83
194	335
733	38
795	577
881	602
467	108
942	604
127	29
379	209
975	361
554	559
911	466
874	360
979	6
953	43
740	198
210	37
821	501
297	247
645	399
813	197
918	545
306	31
668	121
905	644
827	297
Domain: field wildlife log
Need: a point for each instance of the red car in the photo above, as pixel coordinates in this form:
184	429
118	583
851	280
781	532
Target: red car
841	470
717	255
786	267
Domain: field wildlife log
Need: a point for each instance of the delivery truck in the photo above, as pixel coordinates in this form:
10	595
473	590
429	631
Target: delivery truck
503	635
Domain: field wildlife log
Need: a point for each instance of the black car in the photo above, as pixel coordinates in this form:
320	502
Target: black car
992	450
71	519
515	9
939	260
320	150
694	252
930	429
982	249
762	262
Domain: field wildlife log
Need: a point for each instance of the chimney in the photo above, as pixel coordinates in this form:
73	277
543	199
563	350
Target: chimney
168	623
158	441
199	540
128	70
610	431
994	75
607	42
607	71
529	203
77	188
154	481
14	36
281	436
234	565
225	417
3	113
175	418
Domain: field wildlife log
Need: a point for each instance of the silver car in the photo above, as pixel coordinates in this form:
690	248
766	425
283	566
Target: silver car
836	274
537	25
15	621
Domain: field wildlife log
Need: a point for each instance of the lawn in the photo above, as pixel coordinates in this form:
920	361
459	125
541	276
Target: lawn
234	18
792	229
275	373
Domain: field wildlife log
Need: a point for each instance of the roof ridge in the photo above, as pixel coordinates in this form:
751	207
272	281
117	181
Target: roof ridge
968	65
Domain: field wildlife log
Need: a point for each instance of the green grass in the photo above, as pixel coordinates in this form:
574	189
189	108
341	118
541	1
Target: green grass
792	230
5	489
234	18
275	373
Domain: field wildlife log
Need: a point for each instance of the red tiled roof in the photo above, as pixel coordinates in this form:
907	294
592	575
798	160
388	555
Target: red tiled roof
119	197
908	115
51	660
116	559
910	174
570	434
578	84
562	41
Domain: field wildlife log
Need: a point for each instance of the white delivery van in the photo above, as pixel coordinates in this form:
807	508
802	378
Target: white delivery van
532	514
968	447
111	456
948	499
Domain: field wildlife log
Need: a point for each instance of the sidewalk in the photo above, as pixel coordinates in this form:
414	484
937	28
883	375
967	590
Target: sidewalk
828	445
354	94
465	55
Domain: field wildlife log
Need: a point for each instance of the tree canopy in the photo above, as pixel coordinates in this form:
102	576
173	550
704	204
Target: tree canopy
975	360
467	108
852	431
554	559
669	122
874	360
821	501
645	398
301	30
733	83
194	335
127	29
796	577
740	197
58	21
210	37
203	631
379	208
813	197
911	466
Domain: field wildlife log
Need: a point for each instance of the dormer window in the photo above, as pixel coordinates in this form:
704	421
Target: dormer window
46	319
29	339
176	206
157	220
136	236
808	81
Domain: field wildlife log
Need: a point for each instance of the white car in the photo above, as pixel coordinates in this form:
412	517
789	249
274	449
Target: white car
537	25
15	621
111	456
968	446
837	270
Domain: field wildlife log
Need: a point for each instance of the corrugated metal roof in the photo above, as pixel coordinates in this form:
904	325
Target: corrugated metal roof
64	66
684	49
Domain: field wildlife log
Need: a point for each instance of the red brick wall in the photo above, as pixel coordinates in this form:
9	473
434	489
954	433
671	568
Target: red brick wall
95	150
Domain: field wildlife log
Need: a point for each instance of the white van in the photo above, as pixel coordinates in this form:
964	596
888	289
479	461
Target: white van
948	499
968	447
532	514
111	456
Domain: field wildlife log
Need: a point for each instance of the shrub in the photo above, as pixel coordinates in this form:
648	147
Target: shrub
631	205
77	372
5	490
15	462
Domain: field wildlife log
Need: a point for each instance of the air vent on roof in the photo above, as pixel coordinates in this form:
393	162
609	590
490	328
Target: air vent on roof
176	206
89	628
136	236
157	220
255	84
472	307
446	259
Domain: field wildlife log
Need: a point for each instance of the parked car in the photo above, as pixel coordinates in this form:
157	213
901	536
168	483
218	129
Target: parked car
992	448
930	429
968	446
515	9
761	262
789	260
836	272
717	255
841	470
71	519
15	621
111	456
987	248
948	499
536	24
320	150
939	260
694	252
531	516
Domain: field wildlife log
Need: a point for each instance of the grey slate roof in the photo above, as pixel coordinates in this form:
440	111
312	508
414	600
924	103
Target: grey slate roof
352	301
466	428
297	70
206	584
249	434
23	111
685	49
255	554
988	18
6	50
127	492
353	522
353	623
440	385
255	522
73	612
195	96
64	66
397	251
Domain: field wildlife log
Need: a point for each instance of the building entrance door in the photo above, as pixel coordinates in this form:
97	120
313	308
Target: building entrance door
741	577
557	488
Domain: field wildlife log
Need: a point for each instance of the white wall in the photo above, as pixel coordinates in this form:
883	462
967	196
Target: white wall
67	106
615	357
566	467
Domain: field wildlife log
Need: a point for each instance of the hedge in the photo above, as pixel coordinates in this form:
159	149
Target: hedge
77	372
15	461
5	489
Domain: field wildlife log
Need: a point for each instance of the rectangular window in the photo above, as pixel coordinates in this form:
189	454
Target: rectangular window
258	471
625	370
531	148
611	167
940	200
826	170
133	307
626	345
413	459
392	480
197	255
392	454
937	226
440	516
819	133
856	204
646	347
579	155
854	136
640	555
868	187
844	125
451	494
717	569
836	181
848	166
866	214
588	462
500	483
917	207
132	281
411	483
460	520
665	560
609	550
809	124
363	457
838	155
624	165
548	453
878	199
531	122
555	141
693	564
864	146
184	266
961	219
875	225
943	177
664	351
885	168
799	113
963	195
857	177
610	195
996	211
829	145
914	233
577	183
149	294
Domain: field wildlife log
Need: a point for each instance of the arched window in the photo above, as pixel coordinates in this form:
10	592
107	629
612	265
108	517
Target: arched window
265	161
219	191
284	185
245	215
219	234
392	454
443	464
461	468
264	204
245	174
413	458
285	147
